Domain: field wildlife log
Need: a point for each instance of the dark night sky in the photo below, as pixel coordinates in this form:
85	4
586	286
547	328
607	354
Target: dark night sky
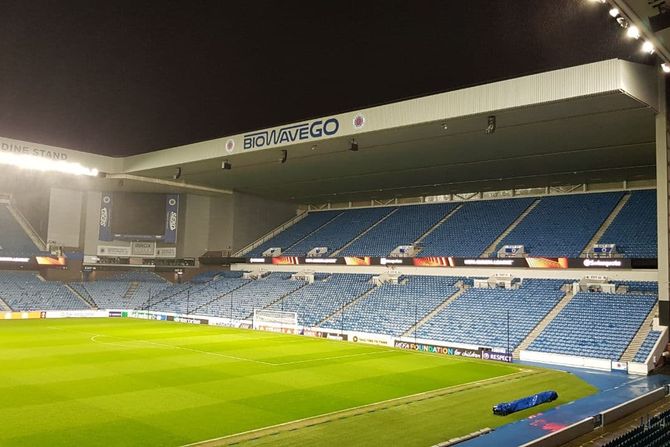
120	77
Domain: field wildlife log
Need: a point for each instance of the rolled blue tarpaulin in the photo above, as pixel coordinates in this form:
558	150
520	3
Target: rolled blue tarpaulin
505	408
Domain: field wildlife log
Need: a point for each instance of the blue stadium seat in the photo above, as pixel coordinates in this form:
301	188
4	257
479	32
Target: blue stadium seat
634	229
598	325
562	225
401	228
473	228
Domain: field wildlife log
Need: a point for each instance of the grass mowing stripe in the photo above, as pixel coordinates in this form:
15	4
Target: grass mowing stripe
177	384
311	421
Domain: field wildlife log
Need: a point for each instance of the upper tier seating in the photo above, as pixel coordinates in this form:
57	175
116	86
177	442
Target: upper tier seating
13	240
23	291
296	232
599	325
393	308
473	228
634	229
323	297
479	316
562	225
401	228
339	231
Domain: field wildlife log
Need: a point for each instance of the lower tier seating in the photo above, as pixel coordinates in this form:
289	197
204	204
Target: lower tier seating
394	308
24	291
598	325
314	302
480	316
647	345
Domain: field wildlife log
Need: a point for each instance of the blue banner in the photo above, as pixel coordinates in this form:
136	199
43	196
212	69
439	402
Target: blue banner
105	230
172	213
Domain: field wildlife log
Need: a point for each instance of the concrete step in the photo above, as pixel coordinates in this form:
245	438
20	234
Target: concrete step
605	225
639	337
461	290
542	325
86	300
440	222
339	250
492	248
349	304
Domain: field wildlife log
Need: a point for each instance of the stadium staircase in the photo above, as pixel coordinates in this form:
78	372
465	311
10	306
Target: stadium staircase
347	305
640	337
278	300
461	290
27	228
195	310
605	225
312	232
86	299
4	306
344	247
270	234
542	325
132	288
492	248
434	227
148	303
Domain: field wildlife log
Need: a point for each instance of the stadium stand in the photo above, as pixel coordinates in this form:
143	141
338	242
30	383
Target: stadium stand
24	291
562	225
255	294
191	297
479	316
647	346
13	240
473	228
634	229
316	301
296	232
403	227
339	231
654	433
598	325
394	308
125	290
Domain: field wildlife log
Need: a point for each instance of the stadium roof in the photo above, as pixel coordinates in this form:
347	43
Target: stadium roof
126	77
590	123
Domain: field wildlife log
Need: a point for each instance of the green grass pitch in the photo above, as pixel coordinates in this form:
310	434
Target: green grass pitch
119	382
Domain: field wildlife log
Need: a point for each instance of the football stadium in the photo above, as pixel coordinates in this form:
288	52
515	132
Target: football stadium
482	264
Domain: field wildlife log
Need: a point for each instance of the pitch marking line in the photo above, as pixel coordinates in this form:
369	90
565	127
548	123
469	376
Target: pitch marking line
354	411
94	338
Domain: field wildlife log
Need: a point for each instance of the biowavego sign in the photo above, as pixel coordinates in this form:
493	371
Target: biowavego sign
290	134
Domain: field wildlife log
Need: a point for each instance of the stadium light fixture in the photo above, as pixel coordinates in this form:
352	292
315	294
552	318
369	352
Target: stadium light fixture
614	12
32	162
648	47
665	67
633	32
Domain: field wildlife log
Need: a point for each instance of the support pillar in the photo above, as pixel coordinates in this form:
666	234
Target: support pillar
662	201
